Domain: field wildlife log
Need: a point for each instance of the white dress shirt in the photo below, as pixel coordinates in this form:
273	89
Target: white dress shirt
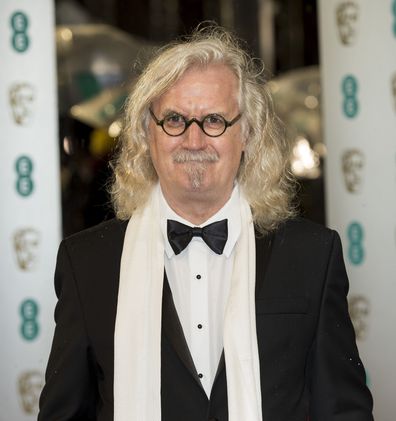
200	283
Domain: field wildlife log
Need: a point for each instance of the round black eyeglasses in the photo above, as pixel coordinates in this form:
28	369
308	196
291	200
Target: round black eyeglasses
212	125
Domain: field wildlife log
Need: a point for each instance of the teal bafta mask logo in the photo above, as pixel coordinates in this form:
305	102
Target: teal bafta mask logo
30	384
29	327
20	40
349	88
26	246
24	169
21	99
347	17
359	310
355	235
353	169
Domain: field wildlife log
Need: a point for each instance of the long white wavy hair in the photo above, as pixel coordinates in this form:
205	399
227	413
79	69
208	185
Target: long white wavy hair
263	174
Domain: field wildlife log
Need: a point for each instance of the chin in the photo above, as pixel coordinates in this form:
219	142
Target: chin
193	186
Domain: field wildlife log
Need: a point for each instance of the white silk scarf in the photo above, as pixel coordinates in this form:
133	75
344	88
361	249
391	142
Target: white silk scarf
137	337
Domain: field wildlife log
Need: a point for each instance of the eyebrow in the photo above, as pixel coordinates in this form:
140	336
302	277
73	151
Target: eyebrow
170	111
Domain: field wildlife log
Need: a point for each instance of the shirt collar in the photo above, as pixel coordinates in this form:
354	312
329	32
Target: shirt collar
229	211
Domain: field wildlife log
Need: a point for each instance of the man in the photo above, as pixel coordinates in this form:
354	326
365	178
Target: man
205	299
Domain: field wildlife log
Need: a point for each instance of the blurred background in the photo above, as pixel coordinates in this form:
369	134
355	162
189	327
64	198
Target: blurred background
67	68
102	45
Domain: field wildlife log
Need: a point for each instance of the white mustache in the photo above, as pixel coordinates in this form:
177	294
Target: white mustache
186	155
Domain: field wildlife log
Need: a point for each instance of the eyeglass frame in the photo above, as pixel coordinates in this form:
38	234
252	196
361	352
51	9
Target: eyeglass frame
200	123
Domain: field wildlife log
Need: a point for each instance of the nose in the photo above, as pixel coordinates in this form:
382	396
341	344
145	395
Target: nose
194	138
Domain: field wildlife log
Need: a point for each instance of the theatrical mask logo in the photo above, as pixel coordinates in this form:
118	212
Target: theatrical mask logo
359	309
30	384
347	14
352	168
393	82
21	98
26	245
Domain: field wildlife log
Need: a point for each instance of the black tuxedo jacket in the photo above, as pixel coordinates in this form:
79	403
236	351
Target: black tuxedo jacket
309	364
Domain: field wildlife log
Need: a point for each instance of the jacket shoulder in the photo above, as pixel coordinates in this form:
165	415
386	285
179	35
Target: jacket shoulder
301	226
105	232
302	234
93	256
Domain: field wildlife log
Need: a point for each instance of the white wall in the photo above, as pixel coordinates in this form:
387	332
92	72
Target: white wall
358	68
30	201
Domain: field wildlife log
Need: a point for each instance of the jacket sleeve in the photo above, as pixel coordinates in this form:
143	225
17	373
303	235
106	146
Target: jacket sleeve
338	389
70	389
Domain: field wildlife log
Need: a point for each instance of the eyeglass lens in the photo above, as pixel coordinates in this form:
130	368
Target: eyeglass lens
212	124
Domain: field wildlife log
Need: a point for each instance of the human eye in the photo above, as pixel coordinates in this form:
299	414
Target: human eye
174	120
214	120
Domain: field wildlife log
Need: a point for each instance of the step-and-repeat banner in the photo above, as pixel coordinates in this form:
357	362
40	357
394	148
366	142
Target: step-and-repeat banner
358	67
30	201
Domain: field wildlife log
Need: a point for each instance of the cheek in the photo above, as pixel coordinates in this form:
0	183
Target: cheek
156	148
236	153
164	147
230	164
155	154
161	156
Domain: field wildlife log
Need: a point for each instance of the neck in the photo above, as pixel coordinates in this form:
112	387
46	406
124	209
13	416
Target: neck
196	208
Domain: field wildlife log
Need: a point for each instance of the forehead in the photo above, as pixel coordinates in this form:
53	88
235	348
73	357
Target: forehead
202	88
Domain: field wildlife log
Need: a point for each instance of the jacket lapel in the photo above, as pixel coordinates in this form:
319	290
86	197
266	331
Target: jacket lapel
173	330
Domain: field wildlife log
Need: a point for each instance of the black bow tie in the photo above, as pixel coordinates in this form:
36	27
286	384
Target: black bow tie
215	235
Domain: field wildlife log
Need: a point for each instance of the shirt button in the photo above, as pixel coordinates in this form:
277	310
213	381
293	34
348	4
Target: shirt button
198	276
200	375
199	326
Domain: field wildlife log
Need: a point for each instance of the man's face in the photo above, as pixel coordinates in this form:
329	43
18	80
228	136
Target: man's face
30	385
26	243
359	309
199	92
21	96
347	16
352	165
